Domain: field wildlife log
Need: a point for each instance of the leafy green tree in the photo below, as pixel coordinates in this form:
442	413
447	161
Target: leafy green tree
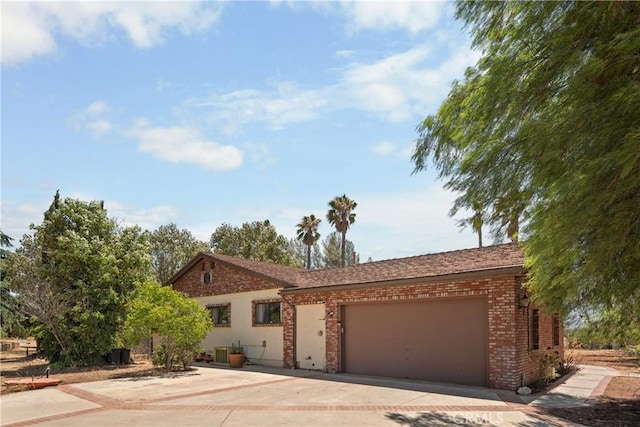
12	320
308	233
340	215
258	240
179	321
332	251
171	249
74	275
545	129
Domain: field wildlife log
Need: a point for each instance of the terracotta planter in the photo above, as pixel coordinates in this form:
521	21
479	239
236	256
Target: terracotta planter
236	360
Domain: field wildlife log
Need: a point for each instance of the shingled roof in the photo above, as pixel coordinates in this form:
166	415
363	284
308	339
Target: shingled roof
287	276
489	258
476	260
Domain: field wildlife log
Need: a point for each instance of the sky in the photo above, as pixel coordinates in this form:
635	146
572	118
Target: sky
206	113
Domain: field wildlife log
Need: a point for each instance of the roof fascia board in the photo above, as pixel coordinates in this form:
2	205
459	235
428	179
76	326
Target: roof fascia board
494	272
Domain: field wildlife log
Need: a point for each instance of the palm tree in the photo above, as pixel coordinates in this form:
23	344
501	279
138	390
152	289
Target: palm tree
308	234
341	217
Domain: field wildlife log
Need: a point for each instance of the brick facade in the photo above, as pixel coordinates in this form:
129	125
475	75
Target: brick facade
510	362
225	279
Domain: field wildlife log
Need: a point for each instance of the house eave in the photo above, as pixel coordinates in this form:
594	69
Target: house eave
491	272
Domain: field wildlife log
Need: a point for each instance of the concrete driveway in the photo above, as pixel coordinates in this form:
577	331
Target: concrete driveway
258	396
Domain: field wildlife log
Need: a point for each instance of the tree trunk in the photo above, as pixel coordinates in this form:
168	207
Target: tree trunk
308	257
342	248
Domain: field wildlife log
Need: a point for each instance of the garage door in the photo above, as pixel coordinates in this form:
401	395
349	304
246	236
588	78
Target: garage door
443	340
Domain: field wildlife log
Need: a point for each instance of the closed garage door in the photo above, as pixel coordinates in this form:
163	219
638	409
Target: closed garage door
443	340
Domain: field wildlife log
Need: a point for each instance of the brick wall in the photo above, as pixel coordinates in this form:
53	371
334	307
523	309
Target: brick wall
224	280
511	362
507	353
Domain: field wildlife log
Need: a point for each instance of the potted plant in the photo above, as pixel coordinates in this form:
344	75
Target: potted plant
236	356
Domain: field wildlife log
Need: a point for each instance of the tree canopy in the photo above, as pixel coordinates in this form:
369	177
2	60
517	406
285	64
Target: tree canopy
74	275
179	321
12	321
545	132
257	240
332	251
172	248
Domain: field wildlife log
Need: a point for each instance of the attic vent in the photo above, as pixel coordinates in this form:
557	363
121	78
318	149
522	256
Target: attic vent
207	278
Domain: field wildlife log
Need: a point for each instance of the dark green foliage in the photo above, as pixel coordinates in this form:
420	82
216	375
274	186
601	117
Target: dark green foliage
171	249
545	132
12	321
74	275
258	240
332	251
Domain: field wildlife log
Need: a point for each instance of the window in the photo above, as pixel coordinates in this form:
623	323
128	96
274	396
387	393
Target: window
220	314
207	278
267	313
556	329
534	332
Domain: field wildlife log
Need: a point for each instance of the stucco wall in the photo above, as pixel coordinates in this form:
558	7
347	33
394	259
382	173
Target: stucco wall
241	328
240	289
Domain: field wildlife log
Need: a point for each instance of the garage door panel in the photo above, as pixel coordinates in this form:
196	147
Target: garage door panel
442	340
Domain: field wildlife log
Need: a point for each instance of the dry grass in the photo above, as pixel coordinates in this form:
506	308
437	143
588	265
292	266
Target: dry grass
15	364
616	359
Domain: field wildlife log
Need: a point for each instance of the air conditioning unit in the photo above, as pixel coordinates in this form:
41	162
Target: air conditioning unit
221	354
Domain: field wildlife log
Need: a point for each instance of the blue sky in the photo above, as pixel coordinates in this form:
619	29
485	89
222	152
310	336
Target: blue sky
209	113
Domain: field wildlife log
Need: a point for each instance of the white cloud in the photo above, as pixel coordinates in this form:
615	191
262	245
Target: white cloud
406	224
99	127
147	218
91	119
384	148
16	218
31	29
261	155
406	85
97	107
182	144
23	33
282	104
412	16
399	87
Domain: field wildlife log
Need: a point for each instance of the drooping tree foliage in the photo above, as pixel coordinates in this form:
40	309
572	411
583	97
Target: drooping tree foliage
179	323
341	216
171	249
74	276
544	132
257	240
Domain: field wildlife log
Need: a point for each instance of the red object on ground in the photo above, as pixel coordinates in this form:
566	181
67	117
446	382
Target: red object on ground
34	383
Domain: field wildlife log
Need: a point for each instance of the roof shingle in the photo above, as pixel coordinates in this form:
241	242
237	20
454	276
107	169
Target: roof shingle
432	265
496	257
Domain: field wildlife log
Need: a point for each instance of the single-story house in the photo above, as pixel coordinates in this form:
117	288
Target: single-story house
458	317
